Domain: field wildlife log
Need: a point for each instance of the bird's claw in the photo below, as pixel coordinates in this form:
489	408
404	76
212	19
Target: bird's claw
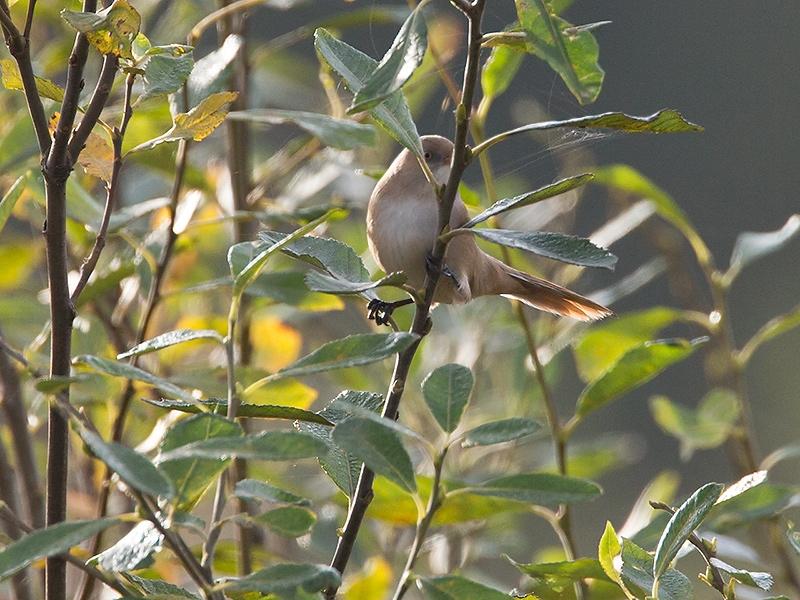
438	268
380	311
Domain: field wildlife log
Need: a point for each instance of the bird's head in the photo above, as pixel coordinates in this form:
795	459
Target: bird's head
438	153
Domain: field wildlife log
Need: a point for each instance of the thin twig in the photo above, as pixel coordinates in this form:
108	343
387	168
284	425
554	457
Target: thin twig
97	102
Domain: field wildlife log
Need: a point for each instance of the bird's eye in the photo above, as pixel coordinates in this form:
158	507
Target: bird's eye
428	156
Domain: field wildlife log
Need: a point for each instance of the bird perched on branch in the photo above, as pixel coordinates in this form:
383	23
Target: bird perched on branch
402	226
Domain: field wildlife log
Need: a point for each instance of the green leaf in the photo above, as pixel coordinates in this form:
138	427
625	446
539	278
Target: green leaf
379	447
49	541
166	69
751	246
453	587
192	477
289	287
120	369
171	338
319	282
210	73
12	80
268	445
355	67
285	578
571	570
252	489
156	589
197	124
770	330
289	521
111	31
635	368
747	482
546	489
10	199
351	351
764	581
499	70
133	551
571	52
396	66
336	133
637	570
341	467
558	246
528	198
254	411
446	391
133	468
604	343
686	519
708	426
757	503
498	432
56	383
608	549
253	268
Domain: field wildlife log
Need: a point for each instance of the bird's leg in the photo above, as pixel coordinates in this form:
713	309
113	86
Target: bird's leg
380	311
439	269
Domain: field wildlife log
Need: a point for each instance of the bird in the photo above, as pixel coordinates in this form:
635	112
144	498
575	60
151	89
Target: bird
402	227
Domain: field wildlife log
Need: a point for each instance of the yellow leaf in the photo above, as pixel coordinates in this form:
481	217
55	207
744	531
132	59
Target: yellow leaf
372	582
97	157
12	80
205	117
275	344
111	31
284	392
18	260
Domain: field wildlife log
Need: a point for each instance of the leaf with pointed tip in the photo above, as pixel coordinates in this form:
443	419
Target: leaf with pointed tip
554	189
571	570
262	491
336	133
546	489
608	549
498	432
288	521
166	70
10	198
750	246
165	340
754	504
637	570
159	590
558	246
686	519
133	468
379	447
454	587
446	391
133	551
396	66
636	367
12	80
355	67
253	411
285	579
111	31
764	581
499	70
319	282
49	541
209	74
268	445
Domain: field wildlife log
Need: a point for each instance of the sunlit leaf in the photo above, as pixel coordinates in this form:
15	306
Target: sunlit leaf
333	132
159	590
166	69
355	67
498	432
262	491
751	246
12	80
133	551
121	369
10	198
165	340
547	489
111	31
499	70
686	519
446	391
571	570
319	282
253	411
608	549
635	368
764	581
759	502
285	578
48	542
268	445
371	582
454	587
209	74
770	330
396	66
288	521
528	198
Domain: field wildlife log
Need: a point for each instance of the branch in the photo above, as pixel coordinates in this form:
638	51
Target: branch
9	495
105	82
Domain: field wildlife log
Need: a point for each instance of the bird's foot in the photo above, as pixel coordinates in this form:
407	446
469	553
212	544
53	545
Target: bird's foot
380	311
435	268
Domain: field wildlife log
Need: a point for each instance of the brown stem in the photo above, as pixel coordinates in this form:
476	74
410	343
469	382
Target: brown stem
421	324
102	90
9	494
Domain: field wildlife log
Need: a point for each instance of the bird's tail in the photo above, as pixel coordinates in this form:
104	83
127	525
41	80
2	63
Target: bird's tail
540	293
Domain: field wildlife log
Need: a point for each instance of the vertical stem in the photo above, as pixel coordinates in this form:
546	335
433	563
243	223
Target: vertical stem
9	495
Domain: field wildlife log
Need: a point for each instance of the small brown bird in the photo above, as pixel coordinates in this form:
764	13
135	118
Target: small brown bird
402	225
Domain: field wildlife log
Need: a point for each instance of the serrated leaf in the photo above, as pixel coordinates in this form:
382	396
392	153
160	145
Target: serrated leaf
608	549
355	67
192	477
253	411
268	445
111	31
197	124
166	69
319	282
549	191
635	368
750	246
707	426
446	391
498	432
637	570
546	489
288	521
49	541
396	66
570	51
285	578
120	369
763	581
558	246
499	70
134	550
684	521
135	469
262	491
165	340
379	447
336	133
12	80
453	587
